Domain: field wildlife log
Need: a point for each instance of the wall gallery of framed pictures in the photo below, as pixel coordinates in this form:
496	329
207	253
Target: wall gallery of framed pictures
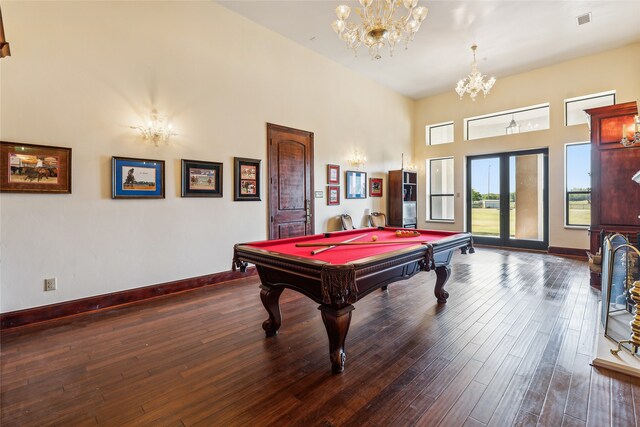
46	169
31	168
333	187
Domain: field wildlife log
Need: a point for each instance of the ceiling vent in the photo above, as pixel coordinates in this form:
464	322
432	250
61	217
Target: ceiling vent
584	19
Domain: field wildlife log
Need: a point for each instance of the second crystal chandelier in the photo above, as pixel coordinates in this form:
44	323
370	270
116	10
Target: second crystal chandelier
474	83
379	26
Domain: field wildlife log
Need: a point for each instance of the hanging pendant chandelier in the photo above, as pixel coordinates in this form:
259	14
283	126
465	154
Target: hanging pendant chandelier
513	127
379	25
474	83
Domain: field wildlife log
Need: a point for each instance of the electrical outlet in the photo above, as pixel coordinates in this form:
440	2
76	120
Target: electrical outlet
50	284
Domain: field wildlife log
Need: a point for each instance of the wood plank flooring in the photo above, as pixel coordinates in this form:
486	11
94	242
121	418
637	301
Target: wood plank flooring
511	347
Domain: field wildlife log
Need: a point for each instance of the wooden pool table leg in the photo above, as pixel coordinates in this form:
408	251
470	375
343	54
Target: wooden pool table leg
442	275
270	297
336	322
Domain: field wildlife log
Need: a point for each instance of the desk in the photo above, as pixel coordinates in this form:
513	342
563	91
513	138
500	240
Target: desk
339	277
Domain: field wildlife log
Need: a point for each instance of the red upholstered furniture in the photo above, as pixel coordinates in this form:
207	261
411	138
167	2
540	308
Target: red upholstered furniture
339	277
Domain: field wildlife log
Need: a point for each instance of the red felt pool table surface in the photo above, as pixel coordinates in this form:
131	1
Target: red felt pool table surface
346	254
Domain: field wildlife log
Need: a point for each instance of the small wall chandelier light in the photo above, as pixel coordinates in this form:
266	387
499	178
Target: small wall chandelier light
409	167
635	139
358	160
379	26
474	83
513	127
156	130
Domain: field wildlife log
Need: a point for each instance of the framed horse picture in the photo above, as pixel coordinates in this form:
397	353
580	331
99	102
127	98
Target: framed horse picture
201	179
137	178
247	179
28	168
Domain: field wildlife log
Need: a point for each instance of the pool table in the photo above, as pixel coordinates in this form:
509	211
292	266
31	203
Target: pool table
339	276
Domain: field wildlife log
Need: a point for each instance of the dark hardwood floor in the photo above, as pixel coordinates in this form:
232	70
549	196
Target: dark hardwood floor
511	347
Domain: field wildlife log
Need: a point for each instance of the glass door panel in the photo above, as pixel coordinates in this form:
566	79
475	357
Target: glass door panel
485	196
526	197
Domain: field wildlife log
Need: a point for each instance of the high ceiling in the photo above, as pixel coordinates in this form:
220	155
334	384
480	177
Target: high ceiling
512	37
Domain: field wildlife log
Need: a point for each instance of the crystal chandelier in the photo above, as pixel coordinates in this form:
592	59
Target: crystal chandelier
379	25
474	82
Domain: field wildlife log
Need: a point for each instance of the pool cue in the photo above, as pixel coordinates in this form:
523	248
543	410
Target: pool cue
405	242
333	245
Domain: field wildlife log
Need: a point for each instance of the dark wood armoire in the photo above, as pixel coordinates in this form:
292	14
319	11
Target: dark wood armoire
615	197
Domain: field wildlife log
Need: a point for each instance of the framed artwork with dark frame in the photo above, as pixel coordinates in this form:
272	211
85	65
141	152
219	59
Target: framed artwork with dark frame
356	187
137	178
247	179
333	195
201	179
333	174
375	187
29	168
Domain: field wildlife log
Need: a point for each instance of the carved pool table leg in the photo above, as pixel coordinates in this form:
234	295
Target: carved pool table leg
337	324
442	275
270	297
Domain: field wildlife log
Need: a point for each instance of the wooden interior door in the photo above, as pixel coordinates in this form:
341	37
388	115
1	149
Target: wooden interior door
290	164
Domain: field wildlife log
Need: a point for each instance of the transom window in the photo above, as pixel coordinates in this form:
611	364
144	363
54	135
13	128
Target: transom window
574	107
519	120
440	133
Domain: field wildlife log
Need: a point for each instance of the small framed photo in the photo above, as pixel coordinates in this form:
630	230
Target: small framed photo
201	179
375	187
247	179
356	187
333	174
333	195
28	168
137	178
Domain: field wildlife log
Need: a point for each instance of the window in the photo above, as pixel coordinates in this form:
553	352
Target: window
574	107
440	185
520	120
441	133
578	184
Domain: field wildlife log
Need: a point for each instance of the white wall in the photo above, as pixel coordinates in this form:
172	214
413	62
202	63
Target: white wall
615	69
83	72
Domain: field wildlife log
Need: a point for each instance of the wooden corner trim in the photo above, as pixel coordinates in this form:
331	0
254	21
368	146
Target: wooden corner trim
69	308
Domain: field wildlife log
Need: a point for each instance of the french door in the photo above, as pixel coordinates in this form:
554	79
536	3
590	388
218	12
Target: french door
508	199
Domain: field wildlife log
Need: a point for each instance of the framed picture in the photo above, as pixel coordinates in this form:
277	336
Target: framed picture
333	195
137	178
201	179
28	168
375	187
247	179
356	185
333	174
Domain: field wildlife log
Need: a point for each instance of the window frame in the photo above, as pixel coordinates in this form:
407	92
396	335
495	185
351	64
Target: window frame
567	193
430	195
585	98
513	111
437	125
